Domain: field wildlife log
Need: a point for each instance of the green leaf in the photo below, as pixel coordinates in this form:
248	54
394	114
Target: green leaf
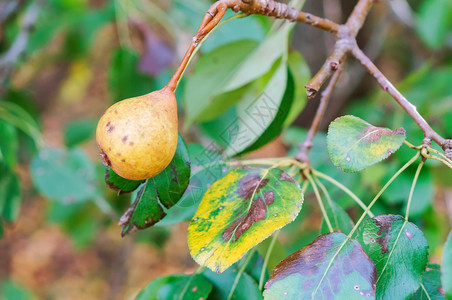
446	269
316	272
259	120
261	60
246	287
399	251
10	195
434	22
240	211
65	176
79	131
120	184
431	285
423	193
210	73
207	167
269	115
124	78
301	74
354	144
177	287
12	290
8	144
339	219
162	190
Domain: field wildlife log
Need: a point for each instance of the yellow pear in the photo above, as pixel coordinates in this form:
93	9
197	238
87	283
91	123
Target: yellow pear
138	136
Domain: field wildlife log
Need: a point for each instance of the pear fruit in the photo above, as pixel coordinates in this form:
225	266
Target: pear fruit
138	136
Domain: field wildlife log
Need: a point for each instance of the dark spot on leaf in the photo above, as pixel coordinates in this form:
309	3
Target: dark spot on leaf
269	197
372	134
384	223
123	160
111	128
251	184
124	139
174	175
286	177
256	213
108	124
310	262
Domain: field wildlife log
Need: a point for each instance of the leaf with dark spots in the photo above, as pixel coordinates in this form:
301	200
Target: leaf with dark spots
238	212
331	267
353	144
249	185
120	184
159	193
391	242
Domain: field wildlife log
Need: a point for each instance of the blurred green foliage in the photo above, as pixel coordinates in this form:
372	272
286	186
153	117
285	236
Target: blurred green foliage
214	95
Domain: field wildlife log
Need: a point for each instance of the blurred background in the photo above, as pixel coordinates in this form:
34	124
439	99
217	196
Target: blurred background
63	62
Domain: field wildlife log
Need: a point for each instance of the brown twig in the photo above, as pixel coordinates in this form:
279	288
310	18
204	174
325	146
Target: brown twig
398	97
269	8
346	36
324	100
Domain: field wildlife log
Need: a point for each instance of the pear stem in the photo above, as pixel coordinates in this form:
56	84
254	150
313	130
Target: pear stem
210	20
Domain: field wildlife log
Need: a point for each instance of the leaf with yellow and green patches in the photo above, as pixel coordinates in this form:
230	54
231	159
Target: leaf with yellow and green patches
353	144
240	211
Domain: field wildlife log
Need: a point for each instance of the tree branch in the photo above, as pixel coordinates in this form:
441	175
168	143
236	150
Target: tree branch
346	36
268	8
399	98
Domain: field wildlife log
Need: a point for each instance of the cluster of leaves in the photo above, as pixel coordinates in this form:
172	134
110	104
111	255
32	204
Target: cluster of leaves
245	89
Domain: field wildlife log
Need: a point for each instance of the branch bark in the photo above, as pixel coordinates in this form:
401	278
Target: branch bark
398	97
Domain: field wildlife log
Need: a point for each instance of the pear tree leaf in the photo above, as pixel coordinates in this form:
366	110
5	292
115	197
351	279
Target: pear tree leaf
158	193
259	120
399	251
246	287
431	285
10	195
261	60
339	218
434	22
207	166
124	78
238	212
79	131
353	144
325	269
210	72
446	269
177	287
65	176
299	69
120	184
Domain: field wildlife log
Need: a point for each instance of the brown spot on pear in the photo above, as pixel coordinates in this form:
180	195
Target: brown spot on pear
149	124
